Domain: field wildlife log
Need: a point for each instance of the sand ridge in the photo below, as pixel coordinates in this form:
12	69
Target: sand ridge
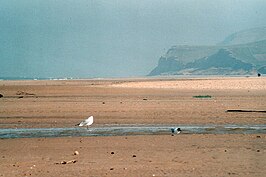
248	83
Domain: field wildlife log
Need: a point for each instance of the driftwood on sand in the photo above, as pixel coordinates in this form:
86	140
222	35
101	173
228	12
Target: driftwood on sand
240	110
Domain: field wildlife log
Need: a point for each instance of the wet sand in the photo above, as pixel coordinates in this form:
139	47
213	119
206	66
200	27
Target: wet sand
39	104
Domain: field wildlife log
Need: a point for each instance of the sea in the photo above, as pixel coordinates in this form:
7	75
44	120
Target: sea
40	78
131	77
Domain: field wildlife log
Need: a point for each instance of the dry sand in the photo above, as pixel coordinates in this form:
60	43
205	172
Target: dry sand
155	101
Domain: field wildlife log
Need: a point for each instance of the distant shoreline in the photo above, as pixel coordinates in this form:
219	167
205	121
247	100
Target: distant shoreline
123	78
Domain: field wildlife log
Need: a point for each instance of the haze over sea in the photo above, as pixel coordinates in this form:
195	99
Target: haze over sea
96	39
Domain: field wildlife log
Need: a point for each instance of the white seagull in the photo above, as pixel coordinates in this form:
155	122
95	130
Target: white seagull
87	122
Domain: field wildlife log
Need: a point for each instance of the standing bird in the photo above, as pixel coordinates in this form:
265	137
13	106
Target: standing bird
87	122
176	130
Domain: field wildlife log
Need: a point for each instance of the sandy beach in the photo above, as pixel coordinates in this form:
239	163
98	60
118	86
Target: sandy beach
64	103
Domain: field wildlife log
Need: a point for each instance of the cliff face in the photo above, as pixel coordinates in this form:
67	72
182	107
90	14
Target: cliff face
245	36
246	58
222	59
166	65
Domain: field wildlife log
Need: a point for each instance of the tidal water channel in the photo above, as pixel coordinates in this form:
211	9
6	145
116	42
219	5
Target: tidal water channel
127	130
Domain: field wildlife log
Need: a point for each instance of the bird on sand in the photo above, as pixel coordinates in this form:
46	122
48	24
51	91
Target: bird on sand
87	122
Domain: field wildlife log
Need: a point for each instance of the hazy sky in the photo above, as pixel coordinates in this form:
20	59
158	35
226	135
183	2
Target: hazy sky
111	38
